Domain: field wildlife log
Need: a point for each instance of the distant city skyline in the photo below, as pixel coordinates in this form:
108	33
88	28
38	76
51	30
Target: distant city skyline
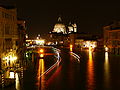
89	16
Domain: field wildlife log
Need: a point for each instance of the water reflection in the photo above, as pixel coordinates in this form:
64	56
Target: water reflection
106	68
17	84
54	75
40	79
90	71
71	48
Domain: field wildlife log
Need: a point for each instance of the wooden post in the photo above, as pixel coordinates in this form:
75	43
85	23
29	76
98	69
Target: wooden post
32	57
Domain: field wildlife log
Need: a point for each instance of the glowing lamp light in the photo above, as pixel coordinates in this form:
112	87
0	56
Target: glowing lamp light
13	58
41	50
71	47
90	48
40	41
11	75
41	55
106	49
6	58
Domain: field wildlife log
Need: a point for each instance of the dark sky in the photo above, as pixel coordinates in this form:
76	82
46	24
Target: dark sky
90	16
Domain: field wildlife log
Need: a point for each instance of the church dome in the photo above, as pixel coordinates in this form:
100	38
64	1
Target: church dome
59	27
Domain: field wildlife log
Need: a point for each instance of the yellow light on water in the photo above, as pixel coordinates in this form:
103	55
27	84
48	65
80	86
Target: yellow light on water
90	49
17	82
41	55
71	48
106	49
40	75
106	70
90	71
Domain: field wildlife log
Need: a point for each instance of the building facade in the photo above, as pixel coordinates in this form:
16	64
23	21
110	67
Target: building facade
60	33
72	28
112	37
60	27
8	36
21	26
83	40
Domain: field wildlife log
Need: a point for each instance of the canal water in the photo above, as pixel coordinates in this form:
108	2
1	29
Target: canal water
95	71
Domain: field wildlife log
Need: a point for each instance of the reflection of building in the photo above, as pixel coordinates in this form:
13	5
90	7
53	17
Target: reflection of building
112	37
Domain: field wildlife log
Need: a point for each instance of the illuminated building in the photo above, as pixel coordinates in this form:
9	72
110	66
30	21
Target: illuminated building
21	26
60	33
8	30
66	35
81	43
64	29
59	27
83	40
9	39
112	37
40	41
72	28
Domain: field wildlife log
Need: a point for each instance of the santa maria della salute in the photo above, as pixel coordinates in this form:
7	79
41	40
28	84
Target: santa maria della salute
60	27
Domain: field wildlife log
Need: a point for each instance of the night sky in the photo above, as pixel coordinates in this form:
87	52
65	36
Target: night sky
90	16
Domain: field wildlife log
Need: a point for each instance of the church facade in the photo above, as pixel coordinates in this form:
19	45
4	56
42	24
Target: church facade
60	33
60	27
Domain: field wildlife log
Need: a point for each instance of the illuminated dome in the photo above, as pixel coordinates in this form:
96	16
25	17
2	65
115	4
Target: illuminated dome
59	27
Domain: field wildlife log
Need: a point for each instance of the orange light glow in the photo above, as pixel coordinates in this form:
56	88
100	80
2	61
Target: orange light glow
90	71
41	55
106	49
41	50
90	48
41	70
106	68
31	42
71	48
